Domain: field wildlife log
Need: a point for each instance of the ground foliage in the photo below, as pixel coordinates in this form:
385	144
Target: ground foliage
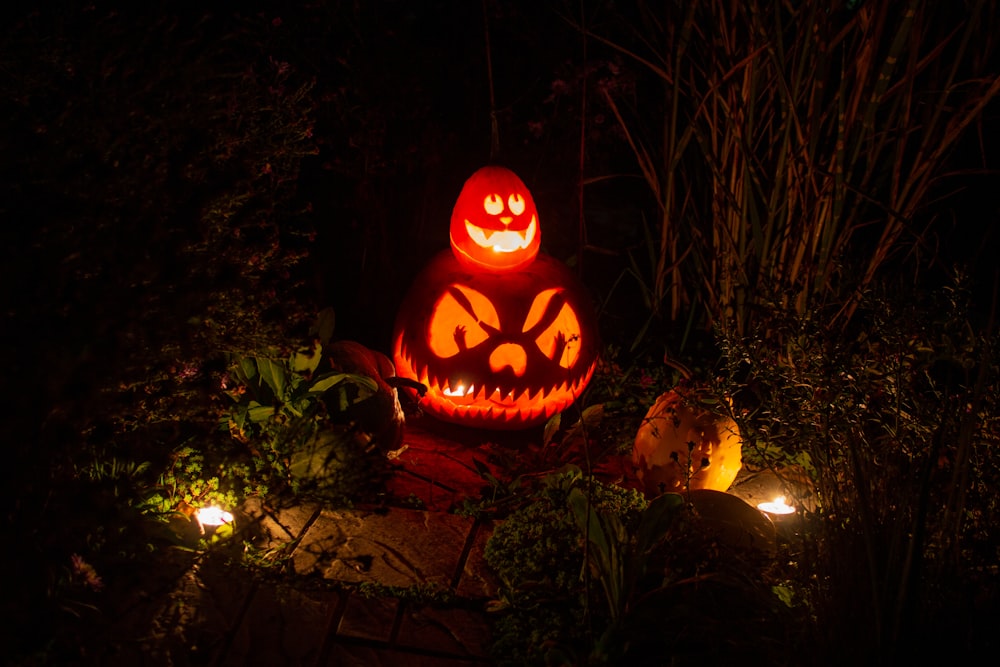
895	426
153	229
156	236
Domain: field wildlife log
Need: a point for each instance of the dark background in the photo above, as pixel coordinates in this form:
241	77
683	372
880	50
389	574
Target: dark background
177	185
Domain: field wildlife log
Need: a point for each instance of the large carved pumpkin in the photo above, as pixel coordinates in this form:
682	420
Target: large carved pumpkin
494	225
682	445
499	350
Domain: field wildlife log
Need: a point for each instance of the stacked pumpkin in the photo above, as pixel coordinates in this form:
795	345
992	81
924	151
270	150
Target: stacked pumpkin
502	336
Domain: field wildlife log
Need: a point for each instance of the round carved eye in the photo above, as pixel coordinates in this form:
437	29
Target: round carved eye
493	204
516	204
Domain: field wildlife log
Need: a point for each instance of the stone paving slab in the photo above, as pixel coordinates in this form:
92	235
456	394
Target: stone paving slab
477	581
455	631
369	618
282	626
437	469
361	655
396	548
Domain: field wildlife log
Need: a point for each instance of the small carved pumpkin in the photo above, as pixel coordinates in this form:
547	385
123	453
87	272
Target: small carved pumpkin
494	225
499	350
681	444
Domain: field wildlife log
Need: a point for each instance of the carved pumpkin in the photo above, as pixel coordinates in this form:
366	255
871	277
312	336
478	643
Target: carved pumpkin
681	444
499	350
494	224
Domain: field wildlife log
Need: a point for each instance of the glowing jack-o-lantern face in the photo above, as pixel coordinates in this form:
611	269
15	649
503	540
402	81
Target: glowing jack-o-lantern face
494	224
504	350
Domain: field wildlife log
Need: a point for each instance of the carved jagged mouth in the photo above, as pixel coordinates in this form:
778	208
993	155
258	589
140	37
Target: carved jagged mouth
490	403
502	240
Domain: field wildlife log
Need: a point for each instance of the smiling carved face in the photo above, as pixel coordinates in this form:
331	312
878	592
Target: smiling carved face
494	225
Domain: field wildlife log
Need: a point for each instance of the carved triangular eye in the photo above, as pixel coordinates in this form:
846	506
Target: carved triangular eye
462	318
559	338
493	204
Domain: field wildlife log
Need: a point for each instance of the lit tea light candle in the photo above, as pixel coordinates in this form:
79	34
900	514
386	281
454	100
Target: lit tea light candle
777	507
212	516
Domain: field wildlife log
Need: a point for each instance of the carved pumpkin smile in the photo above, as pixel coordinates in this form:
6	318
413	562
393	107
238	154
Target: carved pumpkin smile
502	241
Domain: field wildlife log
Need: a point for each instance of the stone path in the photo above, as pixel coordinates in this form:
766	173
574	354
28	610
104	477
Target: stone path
386	586
365	587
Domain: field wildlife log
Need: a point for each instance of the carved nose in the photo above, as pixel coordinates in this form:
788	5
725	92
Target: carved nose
506	219
509	354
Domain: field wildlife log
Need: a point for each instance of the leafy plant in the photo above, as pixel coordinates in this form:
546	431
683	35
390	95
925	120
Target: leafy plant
285	413
593	574
537	556
894	425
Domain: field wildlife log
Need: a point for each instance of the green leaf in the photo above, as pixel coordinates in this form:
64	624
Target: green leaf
260	413
551	428
324	326
306	359
607	537
324	382
247	370
785	594
592	415
363	387
273	374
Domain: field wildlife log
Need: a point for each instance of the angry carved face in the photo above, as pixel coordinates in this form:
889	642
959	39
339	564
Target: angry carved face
497	350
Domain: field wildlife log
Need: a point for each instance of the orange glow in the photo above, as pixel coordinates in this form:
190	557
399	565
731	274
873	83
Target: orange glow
501	336
564	330
494	225
776	506
458	321
490	406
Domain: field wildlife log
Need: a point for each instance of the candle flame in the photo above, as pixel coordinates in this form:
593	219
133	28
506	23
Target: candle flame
213	516
777	506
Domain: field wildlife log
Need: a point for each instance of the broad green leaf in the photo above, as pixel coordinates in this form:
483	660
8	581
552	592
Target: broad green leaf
551	428
273	374
607	538
362	384
306	359
592	415
260	413
247	369
324	382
